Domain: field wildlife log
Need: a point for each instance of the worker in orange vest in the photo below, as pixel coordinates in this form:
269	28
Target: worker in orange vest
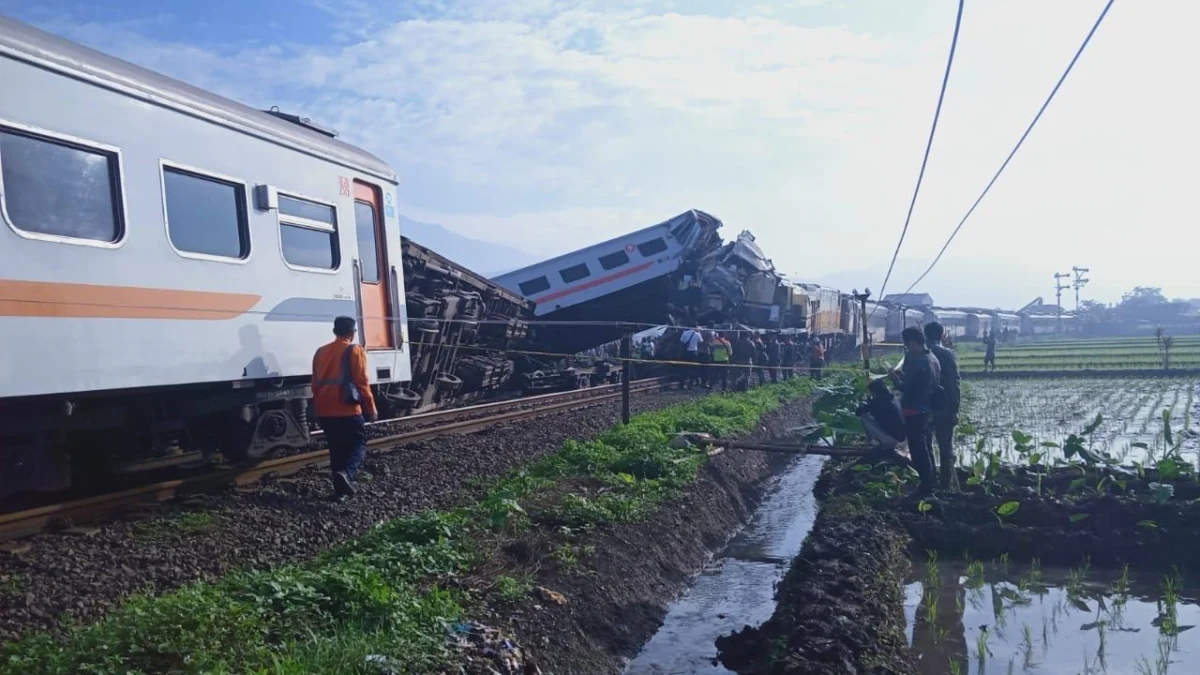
343	402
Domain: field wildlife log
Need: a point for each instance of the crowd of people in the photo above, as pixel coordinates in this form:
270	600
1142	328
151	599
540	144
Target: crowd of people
715	360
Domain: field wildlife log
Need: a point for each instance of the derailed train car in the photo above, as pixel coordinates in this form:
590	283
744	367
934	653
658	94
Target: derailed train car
464	330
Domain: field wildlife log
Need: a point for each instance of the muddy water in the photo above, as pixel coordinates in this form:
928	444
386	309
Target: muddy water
737	587
1049	622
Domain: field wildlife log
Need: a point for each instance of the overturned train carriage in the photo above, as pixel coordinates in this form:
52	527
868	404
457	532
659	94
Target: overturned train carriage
464	330
649	276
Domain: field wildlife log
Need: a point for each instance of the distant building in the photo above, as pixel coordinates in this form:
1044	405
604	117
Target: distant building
910	299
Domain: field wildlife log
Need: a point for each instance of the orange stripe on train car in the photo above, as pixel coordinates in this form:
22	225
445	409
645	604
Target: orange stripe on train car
594	282
63	300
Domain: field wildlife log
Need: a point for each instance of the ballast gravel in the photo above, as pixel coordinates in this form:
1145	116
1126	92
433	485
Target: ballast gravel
79	577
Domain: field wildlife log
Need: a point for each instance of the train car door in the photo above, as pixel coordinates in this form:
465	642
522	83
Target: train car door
372	267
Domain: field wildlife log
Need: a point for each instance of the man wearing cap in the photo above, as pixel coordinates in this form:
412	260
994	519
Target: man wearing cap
343	402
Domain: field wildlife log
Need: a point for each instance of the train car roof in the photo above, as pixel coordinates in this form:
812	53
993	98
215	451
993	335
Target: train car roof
670	223
39	48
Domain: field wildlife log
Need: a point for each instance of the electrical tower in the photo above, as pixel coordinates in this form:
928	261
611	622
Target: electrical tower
1059	287
1080	282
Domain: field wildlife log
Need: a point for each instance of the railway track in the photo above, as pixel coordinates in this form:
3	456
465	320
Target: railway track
400	431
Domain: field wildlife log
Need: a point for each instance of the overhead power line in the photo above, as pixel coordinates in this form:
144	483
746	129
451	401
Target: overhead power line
937	113
1025	135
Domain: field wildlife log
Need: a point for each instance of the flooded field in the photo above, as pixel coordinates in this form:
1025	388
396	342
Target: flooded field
1132	428
995	618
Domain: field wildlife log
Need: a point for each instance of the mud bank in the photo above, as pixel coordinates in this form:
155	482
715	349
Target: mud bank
840	609
595	601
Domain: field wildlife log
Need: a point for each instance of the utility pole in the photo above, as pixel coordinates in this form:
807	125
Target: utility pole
626	374
1080	282
866	347
1059	287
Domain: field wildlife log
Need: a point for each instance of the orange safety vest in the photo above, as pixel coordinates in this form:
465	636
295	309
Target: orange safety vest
337	367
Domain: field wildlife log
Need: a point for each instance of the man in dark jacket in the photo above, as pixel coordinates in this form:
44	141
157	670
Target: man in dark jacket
881	416
917	381
743	358
946	417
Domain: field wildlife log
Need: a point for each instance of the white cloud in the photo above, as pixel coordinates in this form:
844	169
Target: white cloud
549	124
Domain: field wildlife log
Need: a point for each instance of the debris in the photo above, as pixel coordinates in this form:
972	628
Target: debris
484	646
552	596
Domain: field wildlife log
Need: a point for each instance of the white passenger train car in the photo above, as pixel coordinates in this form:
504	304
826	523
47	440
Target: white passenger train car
953	320
612	266
169	261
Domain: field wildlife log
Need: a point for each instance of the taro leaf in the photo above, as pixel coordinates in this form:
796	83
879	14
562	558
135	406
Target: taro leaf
1050	444
974	480
1021	438
1094	425
1078	483
1079	605
861	467
924	506
1008	508
1162	492
1080	517
967	429
980	444
1140	445
1168	469
1035	458
1148	524
1168	435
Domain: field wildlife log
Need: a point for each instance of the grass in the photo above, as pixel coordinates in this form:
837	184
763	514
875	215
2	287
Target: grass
179	525
1141	353
384	595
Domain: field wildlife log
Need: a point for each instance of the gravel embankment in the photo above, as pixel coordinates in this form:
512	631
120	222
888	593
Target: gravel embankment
64	577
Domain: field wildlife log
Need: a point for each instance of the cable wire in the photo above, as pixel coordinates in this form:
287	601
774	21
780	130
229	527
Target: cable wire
937	113
1025	135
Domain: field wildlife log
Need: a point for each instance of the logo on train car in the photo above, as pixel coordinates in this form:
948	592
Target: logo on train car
344	186
630	248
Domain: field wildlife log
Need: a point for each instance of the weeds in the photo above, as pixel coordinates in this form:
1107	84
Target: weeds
511	590
180	526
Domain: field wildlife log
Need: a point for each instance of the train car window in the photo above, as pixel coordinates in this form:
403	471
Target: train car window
60	189
534	286
368	245
652	247
308	233
206	215
613	260
574	273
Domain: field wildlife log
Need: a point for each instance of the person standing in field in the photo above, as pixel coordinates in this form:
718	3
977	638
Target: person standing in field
945	418
917	381
989	354
343	402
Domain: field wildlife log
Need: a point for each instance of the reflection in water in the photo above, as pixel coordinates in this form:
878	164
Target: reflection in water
738	588
976	619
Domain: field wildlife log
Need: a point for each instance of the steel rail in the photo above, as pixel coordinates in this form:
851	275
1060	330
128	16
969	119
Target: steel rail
90	509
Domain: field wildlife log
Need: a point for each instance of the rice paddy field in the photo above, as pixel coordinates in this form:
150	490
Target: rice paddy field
1133	353
1141	419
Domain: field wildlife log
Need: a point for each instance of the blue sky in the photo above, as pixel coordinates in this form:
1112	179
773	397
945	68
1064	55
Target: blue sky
551	124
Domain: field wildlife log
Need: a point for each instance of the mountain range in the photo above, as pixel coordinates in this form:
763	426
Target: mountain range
481	257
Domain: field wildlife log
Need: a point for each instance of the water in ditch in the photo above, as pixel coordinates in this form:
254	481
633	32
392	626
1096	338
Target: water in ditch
737	587
987	618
